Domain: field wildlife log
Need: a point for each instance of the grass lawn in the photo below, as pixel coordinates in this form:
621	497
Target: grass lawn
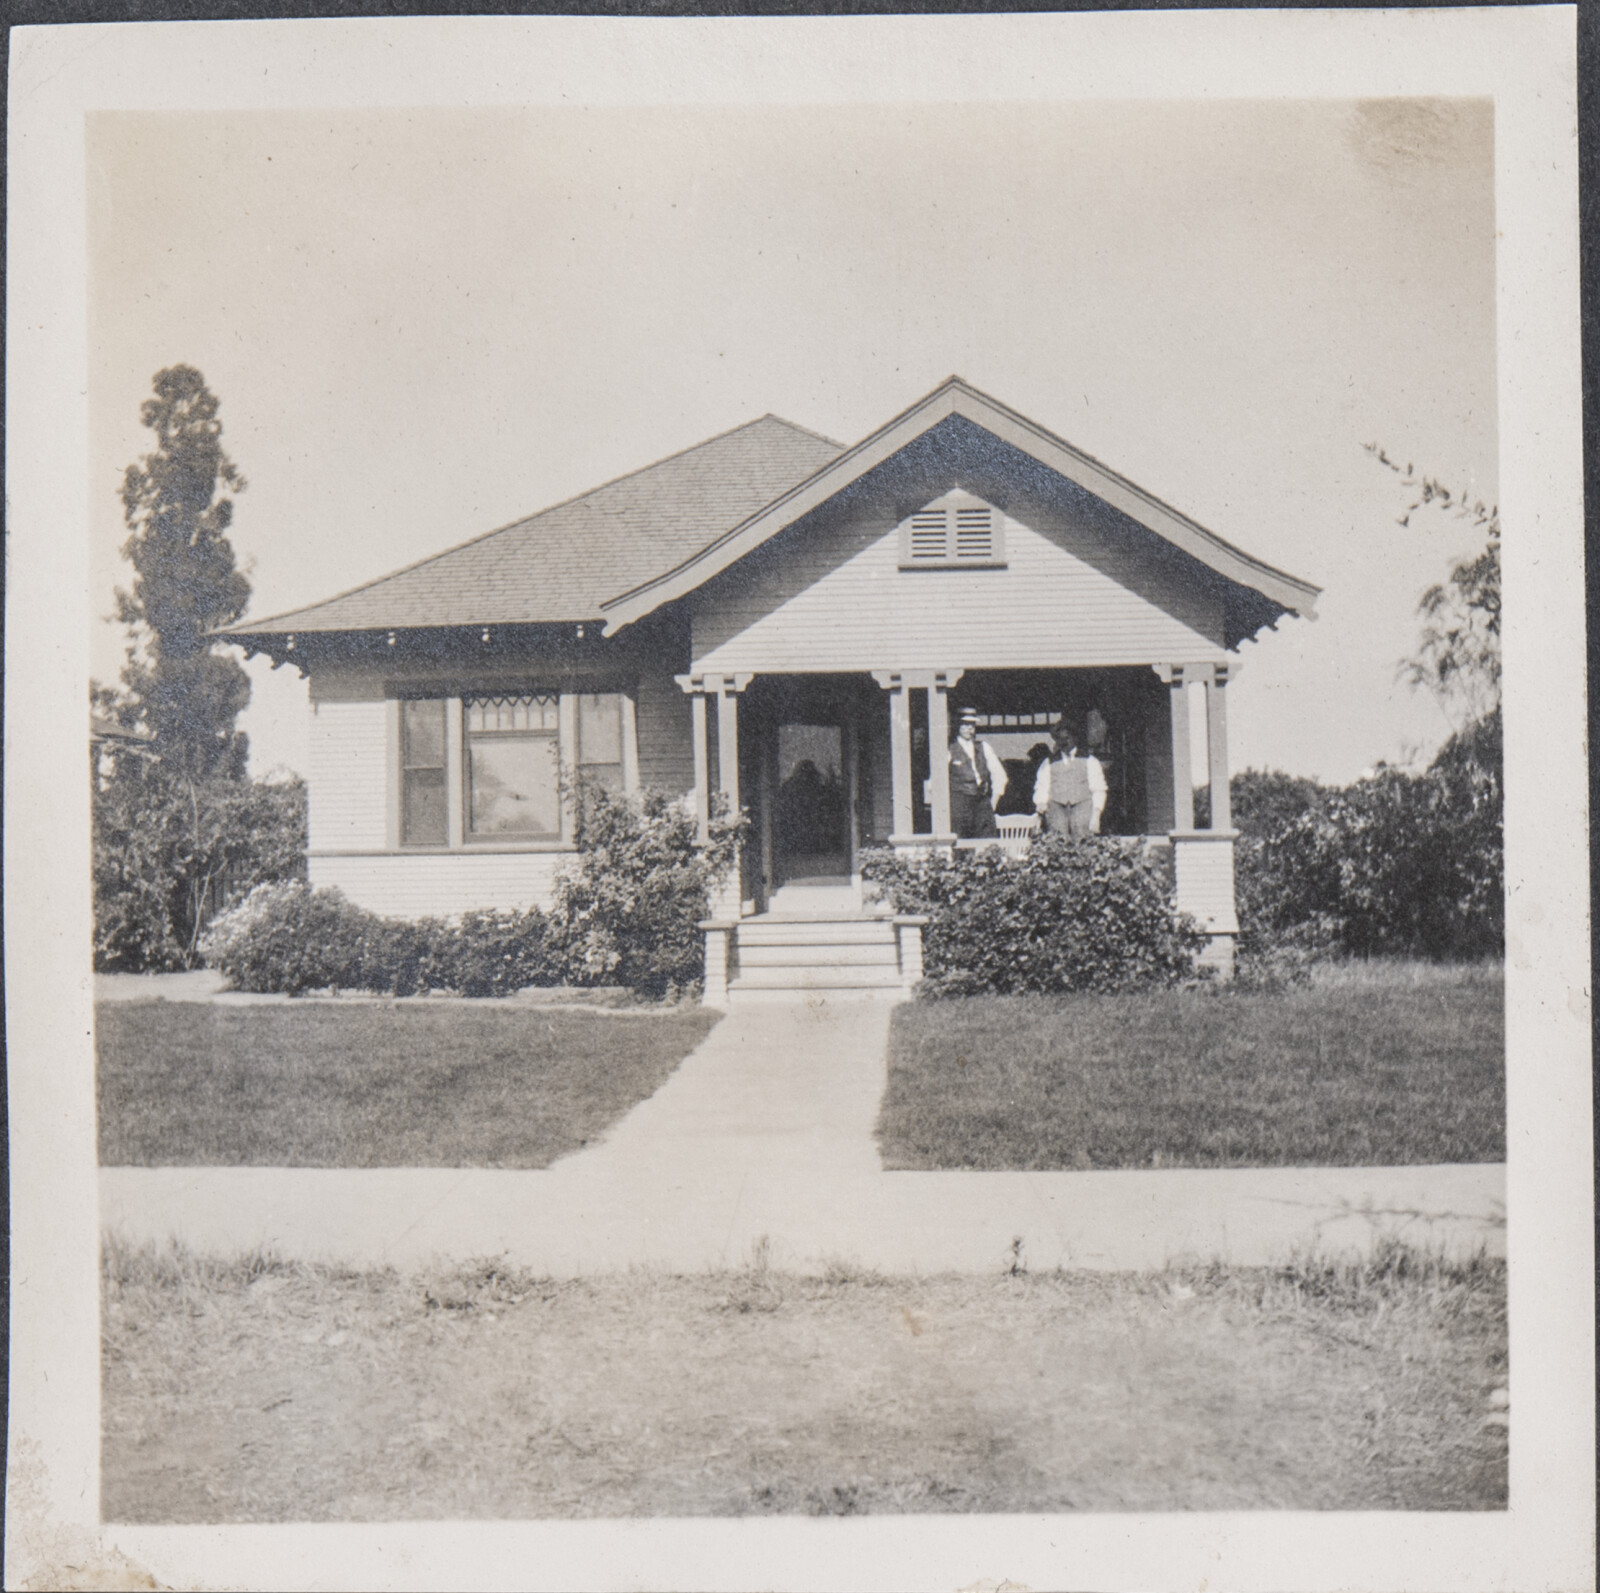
1380	1065
371	1084
257	1391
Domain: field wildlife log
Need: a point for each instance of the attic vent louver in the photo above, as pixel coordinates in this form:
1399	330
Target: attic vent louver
974	533
957	530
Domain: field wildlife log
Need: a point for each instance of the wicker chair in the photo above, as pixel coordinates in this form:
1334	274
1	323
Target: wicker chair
1017	831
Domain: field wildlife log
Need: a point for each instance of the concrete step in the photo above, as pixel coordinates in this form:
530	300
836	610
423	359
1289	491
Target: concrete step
817	977
787	932
819	954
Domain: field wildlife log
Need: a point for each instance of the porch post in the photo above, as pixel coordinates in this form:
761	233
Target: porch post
695	688
728	688
1217	745
1182	789
894	683
630	743
939	748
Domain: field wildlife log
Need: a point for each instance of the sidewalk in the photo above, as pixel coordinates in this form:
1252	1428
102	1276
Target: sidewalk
765	1133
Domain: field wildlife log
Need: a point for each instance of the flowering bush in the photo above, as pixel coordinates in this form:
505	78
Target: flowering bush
1092	914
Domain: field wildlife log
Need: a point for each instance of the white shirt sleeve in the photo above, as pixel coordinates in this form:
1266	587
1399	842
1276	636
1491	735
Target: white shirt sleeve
1097	788
1041	787
997	773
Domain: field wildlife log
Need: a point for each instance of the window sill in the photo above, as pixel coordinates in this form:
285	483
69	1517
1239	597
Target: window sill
952	564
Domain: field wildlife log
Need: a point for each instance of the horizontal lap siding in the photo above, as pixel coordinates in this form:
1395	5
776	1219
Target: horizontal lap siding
348	775
666	753
1203	873
437	885
835	597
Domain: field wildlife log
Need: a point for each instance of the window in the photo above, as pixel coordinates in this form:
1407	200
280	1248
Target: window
599	757
957	529
512	768
495	767
424	811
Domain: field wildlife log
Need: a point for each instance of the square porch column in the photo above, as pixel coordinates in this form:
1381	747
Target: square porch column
697	736
1217	744
1178	707
726	689
893	682
939	685
1202	860
899	683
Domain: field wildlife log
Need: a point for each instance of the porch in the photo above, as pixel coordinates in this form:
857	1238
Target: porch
829	764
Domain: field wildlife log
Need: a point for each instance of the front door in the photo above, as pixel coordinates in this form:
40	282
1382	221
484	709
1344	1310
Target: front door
811	809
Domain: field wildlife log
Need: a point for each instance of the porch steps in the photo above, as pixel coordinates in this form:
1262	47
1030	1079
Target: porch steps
776	955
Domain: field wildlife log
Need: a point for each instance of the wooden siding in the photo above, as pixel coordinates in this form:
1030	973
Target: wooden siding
349	776
830	594
666	757
1203	877
441	884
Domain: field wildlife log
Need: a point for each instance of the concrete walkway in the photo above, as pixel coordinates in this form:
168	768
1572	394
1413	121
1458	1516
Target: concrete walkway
764	1133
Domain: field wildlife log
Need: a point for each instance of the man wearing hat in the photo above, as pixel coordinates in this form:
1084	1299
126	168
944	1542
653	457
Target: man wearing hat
1070	789
977	782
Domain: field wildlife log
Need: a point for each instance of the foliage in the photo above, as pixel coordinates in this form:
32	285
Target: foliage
629	912
1093	914
1459	657
289	939
168	848
1395	864
177	829
186	584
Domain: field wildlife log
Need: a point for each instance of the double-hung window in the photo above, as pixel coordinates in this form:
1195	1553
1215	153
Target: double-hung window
424	803
513	767
500	766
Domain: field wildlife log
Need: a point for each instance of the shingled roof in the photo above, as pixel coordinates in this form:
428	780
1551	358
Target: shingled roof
564	562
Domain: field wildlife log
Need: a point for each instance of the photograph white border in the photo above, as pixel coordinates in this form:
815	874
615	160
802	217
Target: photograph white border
1523	57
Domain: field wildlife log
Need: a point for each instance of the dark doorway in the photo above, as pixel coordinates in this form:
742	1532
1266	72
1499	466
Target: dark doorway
811	805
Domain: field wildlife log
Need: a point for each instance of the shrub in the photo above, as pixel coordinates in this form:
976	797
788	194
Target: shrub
1071	915
1395	864
289	938
167	847
628	913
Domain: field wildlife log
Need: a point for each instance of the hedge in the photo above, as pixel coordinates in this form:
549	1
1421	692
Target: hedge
626	913
1093	914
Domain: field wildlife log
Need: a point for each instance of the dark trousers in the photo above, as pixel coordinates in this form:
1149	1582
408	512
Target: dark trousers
972	816
1072	819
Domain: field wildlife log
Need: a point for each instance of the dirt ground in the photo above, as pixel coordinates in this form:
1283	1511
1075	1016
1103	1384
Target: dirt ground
259	1391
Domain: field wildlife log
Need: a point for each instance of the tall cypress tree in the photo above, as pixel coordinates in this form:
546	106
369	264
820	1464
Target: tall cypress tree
176	504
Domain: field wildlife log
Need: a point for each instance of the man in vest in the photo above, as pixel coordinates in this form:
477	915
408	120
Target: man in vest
977	782
1070	789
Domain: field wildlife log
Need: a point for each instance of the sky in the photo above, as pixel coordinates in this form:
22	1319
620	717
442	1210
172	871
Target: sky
425	324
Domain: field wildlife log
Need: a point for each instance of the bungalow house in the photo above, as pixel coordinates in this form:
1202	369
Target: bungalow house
794	624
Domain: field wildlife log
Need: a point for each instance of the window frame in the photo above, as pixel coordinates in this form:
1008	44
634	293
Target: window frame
503	839
455	702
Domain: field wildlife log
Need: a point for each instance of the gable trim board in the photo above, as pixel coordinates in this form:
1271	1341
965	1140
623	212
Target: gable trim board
955	398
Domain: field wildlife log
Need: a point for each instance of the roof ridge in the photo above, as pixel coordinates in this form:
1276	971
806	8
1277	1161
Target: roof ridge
248	626
805	431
